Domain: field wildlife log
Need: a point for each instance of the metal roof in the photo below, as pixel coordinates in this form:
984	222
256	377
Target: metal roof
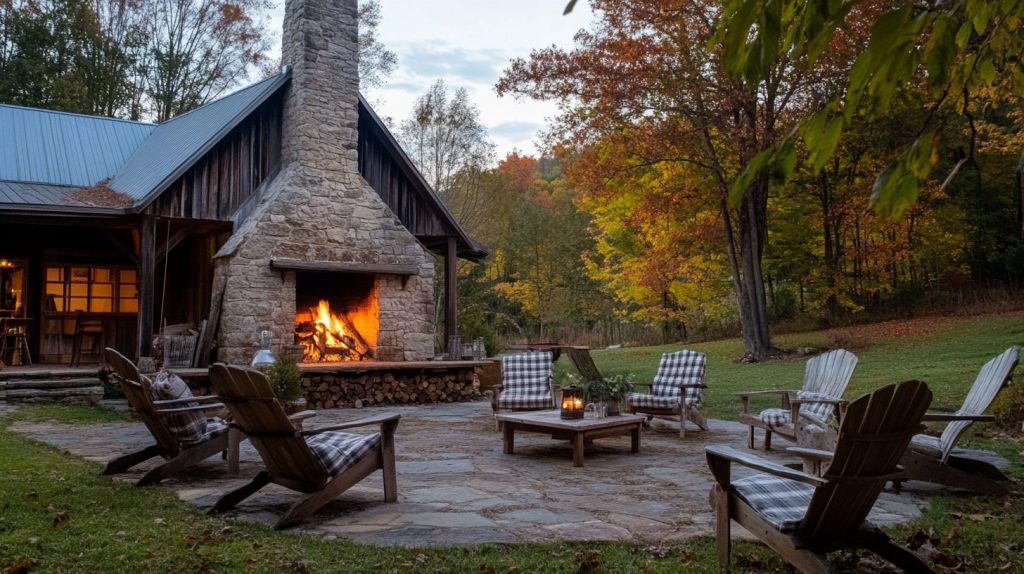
44	154
177	143
58	148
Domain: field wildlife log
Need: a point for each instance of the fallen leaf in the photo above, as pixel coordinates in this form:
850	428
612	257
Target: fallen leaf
19	567
60	519
31	495
421	558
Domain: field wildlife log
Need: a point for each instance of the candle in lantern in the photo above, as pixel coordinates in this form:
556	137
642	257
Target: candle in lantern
572	403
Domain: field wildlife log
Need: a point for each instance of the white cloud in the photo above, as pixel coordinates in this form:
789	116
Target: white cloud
468	44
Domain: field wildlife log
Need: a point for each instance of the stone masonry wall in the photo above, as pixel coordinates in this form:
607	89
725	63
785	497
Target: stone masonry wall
318	207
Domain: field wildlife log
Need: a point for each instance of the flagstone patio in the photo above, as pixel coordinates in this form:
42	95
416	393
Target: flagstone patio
457	487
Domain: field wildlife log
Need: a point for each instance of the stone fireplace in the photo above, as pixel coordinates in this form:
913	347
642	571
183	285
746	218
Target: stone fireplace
319	232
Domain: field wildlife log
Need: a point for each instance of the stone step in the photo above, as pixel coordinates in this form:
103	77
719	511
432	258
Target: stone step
89	395
13	373
49	384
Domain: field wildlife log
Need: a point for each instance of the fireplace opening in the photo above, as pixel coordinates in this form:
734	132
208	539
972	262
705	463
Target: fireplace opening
337	316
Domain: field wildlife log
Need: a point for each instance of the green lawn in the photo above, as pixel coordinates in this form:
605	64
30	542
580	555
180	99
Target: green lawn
58	515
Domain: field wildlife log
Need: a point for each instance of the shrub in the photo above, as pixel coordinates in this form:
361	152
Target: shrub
286	379
1009	408
471	328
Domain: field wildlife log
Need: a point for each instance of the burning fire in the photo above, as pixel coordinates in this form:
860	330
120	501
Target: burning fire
330	337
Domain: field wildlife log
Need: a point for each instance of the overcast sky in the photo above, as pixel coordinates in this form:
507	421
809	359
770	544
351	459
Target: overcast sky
468	43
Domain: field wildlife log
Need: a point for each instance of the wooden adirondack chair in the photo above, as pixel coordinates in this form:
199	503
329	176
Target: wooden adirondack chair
321	463
803	516
156	416
527	384
676	391
825	381
934	459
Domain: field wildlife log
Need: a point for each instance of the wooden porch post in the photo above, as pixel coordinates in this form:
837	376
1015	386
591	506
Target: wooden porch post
451	307
147	270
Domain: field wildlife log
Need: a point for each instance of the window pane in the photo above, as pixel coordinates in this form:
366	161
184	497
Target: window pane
54	273
128	291
79	289
101	305
55	289
78	304
55	303
102	290
129	306
80	274
101	275
127	276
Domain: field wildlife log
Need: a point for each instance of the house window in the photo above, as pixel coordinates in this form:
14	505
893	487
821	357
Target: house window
73	289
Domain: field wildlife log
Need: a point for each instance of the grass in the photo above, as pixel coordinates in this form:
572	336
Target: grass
58	515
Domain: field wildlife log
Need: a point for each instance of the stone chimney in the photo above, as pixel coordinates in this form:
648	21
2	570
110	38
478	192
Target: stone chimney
321	45
318	210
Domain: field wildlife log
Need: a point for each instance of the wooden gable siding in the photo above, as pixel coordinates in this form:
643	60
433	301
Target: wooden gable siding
228	175
397	188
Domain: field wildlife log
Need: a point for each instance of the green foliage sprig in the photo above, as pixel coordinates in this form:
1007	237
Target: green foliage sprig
613	388
286	379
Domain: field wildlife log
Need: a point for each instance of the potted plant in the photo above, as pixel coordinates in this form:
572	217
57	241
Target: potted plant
609	390
286	380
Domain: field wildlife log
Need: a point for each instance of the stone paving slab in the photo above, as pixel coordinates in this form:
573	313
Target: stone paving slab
456	487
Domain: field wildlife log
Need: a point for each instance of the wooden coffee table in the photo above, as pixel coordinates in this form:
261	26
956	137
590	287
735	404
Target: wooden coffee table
575	431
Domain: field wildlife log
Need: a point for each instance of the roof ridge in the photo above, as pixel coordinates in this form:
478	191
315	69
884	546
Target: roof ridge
76	114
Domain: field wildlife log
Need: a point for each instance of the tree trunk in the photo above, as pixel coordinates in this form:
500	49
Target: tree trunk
753	225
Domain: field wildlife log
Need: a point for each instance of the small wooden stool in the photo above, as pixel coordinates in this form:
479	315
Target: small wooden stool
19	347
85	328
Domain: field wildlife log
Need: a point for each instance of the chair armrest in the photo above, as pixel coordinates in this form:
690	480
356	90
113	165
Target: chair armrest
953	417
813	453
162	412
693	386
301	415
770	392
172	402
378	419
820	401
718	453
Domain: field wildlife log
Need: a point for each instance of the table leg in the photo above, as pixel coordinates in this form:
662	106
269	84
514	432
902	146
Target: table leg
509	440
234	440
634	437
577	449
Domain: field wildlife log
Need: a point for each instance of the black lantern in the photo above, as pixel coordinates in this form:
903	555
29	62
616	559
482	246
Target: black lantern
572	403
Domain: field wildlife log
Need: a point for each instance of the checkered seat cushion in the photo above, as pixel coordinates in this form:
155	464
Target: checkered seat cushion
214	427
526	381
189	428
776	418
780	501
338	451
675	369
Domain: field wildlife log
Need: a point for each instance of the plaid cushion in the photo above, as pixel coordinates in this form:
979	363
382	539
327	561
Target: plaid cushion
774	418
188	428
214	427
651	401
340	450
780	501
526	381
818	411
680	368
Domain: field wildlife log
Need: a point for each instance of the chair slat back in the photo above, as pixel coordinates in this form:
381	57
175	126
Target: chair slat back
584	363
994	375
527	373
873	436
680	368
248	395
137	388
830	373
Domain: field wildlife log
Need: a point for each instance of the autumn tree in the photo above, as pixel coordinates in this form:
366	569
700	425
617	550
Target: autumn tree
645	77
446	139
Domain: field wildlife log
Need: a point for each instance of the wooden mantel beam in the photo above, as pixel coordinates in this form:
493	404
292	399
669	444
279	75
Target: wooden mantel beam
342	267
